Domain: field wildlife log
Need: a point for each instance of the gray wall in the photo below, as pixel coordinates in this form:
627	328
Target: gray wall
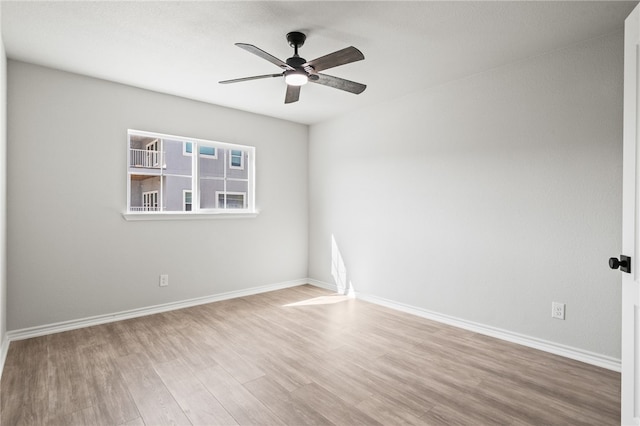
3	193
514	198
72	255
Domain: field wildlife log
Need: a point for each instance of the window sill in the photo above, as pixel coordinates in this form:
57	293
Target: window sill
188	216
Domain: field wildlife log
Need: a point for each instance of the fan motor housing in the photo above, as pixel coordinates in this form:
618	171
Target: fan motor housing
296	39
296	62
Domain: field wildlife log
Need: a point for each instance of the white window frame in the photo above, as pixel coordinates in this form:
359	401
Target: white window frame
248	160
188	154
218	193
241	166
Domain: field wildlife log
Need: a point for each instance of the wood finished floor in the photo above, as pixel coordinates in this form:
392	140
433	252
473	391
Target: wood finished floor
297	356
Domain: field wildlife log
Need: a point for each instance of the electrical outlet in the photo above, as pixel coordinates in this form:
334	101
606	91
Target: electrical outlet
557	310
164	280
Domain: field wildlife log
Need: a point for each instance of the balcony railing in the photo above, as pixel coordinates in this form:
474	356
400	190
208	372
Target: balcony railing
146	158
144	209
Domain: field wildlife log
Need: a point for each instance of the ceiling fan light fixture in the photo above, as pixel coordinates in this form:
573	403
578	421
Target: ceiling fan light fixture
296	78
297	71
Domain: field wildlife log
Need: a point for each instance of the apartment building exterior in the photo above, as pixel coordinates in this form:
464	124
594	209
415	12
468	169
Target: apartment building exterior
165	176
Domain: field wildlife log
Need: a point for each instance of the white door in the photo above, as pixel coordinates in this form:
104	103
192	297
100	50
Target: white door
150	201
630	229
152	154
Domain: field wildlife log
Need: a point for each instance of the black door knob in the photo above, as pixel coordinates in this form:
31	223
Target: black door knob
624	263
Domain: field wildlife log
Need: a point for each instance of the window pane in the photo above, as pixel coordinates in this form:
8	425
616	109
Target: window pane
208	189
236	158
176	174
145	192
235	201
212	178
187	201
161	169
207	150
237	181
230	201
144	154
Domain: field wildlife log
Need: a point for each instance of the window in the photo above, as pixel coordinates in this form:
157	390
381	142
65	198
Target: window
186	197
163	177
230	200
236	159
208	151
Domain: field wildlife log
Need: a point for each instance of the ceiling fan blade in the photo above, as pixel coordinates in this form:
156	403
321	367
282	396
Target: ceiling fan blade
237	80
341	57
339	83
292	95
264	55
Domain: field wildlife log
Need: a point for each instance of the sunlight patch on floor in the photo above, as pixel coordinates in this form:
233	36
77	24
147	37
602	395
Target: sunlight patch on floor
322	300
345	289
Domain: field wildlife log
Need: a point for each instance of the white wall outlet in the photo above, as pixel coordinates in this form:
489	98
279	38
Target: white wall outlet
164	280
557	310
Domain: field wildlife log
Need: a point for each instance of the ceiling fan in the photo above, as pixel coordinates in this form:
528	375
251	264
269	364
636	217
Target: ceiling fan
298	71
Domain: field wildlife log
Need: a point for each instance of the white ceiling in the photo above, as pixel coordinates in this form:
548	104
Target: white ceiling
184	48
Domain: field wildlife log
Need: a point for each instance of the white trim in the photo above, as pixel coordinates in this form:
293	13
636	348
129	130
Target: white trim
599	360
247	151
208	142
4	349
43	330
322	284
588	357
224	214
184	149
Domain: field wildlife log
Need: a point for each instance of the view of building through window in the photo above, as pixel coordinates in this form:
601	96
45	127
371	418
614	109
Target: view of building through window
164	175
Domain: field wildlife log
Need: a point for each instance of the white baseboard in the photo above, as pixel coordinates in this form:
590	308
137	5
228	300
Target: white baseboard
58	327
592	358
321	284
4	349
588	357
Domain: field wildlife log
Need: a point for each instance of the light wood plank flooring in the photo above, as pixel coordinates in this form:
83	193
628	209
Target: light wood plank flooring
297	356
